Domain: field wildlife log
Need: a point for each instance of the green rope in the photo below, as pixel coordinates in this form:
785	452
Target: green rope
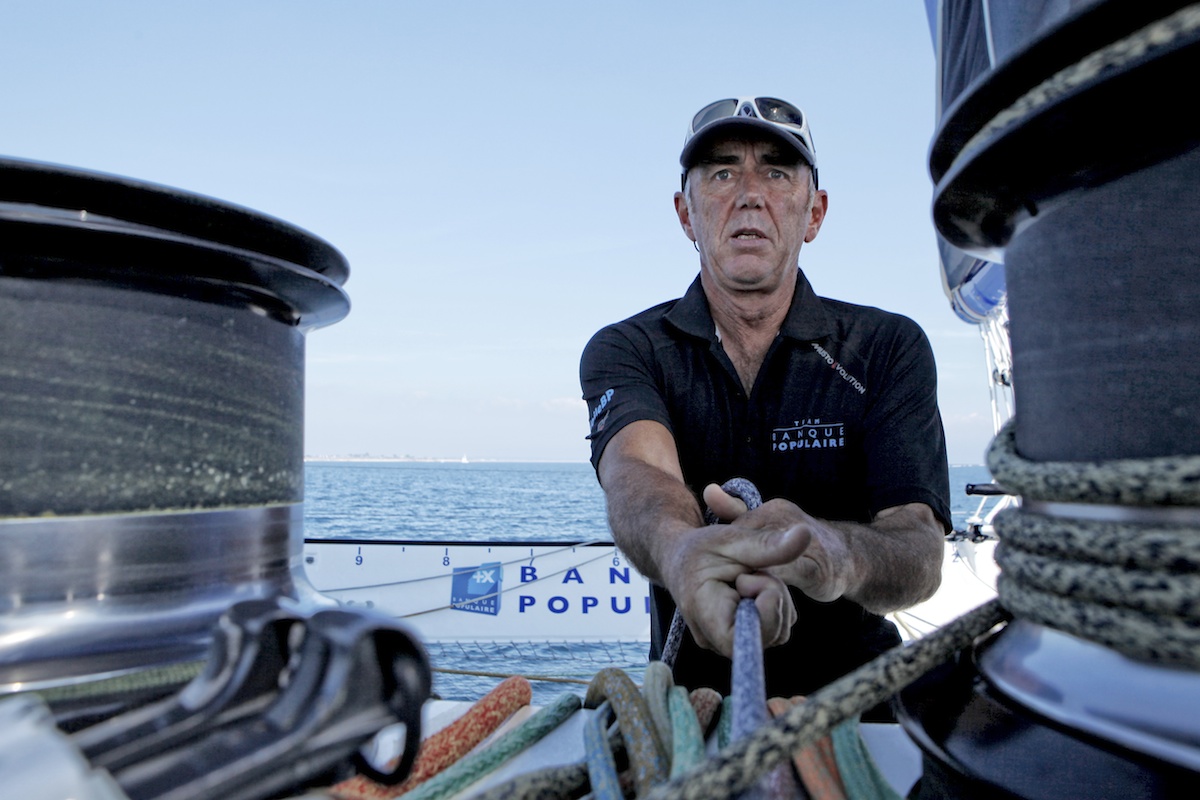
687	738
475	766
657	682
165	677
860	777
725	723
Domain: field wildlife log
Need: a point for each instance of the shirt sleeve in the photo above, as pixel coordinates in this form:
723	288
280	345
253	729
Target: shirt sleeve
620	383
906	444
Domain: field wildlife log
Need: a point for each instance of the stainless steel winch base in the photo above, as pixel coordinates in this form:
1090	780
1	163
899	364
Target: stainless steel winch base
93	596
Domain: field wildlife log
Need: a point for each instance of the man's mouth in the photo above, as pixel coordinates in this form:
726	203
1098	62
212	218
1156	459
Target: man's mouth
748	233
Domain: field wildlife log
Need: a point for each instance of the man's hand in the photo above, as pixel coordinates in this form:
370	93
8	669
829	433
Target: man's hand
891	563
709	570
823	568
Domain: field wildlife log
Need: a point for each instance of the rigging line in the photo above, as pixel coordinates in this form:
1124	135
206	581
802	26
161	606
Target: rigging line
932	625
975	574
897	617
485	674
521	560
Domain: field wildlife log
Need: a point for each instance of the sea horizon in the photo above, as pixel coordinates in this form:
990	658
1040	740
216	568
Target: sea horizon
371	459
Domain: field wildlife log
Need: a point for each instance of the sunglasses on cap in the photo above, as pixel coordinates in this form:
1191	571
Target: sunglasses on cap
778	113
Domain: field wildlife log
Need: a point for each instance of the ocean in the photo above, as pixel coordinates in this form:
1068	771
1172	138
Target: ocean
495	501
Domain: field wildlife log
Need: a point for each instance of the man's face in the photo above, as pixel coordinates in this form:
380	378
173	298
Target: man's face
749	210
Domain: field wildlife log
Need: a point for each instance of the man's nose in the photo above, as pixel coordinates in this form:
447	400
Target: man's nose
750	190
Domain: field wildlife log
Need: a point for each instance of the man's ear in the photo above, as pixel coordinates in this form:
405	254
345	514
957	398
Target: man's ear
685	218
819	208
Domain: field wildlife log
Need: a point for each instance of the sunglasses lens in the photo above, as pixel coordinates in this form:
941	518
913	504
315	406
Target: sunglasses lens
713	111
774	110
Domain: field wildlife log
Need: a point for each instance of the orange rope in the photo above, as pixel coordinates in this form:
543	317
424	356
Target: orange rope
815	763
447	745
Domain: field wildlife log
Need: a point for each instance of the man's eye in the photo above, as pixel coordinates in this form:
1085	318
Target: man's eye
776	174
722	175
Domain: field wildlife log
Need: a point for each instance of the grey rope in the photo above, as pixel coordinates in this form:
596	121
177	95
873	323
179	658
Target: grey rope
1130	585
1164	481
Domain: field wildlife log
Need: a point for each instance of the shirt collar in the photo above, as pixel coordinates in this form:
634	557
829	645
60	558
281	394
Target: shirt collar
806	320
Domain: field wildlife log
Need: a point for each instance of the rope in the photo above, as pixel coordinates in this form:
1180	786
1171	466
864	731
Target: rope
1160	33
687	735
736	767
656	684
165	678
860	776
815	763
750	695
535	678
447	745
641	740
749	681
706	702
569	781
476	765
602	766
1163	481
725	723
1126	584
551	783
674	638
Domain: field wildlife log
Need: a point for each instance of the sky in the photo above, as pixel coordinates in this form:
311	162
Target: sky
499	176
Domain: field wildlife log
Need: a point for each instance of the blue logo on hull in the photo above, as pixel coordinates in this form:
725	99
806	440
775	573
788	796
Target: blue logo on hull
477	589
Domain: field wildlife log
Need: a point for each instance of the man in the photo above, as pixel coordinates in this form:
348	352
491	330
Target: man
829	408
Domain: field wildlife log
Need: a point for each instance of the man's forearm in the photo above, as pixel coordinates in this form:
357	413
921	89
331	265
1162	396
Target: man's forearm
897	558
646	508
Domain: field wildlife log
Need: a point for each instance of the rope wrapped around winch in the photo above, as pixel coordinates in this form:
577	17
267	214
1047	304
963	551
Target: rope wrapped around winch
1107	551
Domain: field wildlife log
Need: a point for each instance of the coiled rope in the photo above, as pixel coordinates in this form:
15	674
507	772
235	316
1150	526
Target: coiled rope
735	768
1126	578
641	739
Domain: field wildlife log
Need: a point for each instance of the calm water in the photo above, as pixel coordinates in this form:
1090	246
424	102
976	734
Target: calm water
494	502
481	501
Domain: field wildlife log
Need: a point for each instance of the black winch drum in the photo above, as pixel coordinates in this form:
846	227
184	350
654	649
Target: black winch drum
151	417
1072	160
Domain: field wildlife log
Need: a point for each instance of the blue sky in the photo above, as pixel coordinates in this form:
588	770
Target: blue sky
498	174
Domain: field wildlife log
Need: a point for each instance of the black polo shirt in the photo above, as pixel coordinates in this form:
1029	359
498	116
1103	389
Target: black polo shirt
842	420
